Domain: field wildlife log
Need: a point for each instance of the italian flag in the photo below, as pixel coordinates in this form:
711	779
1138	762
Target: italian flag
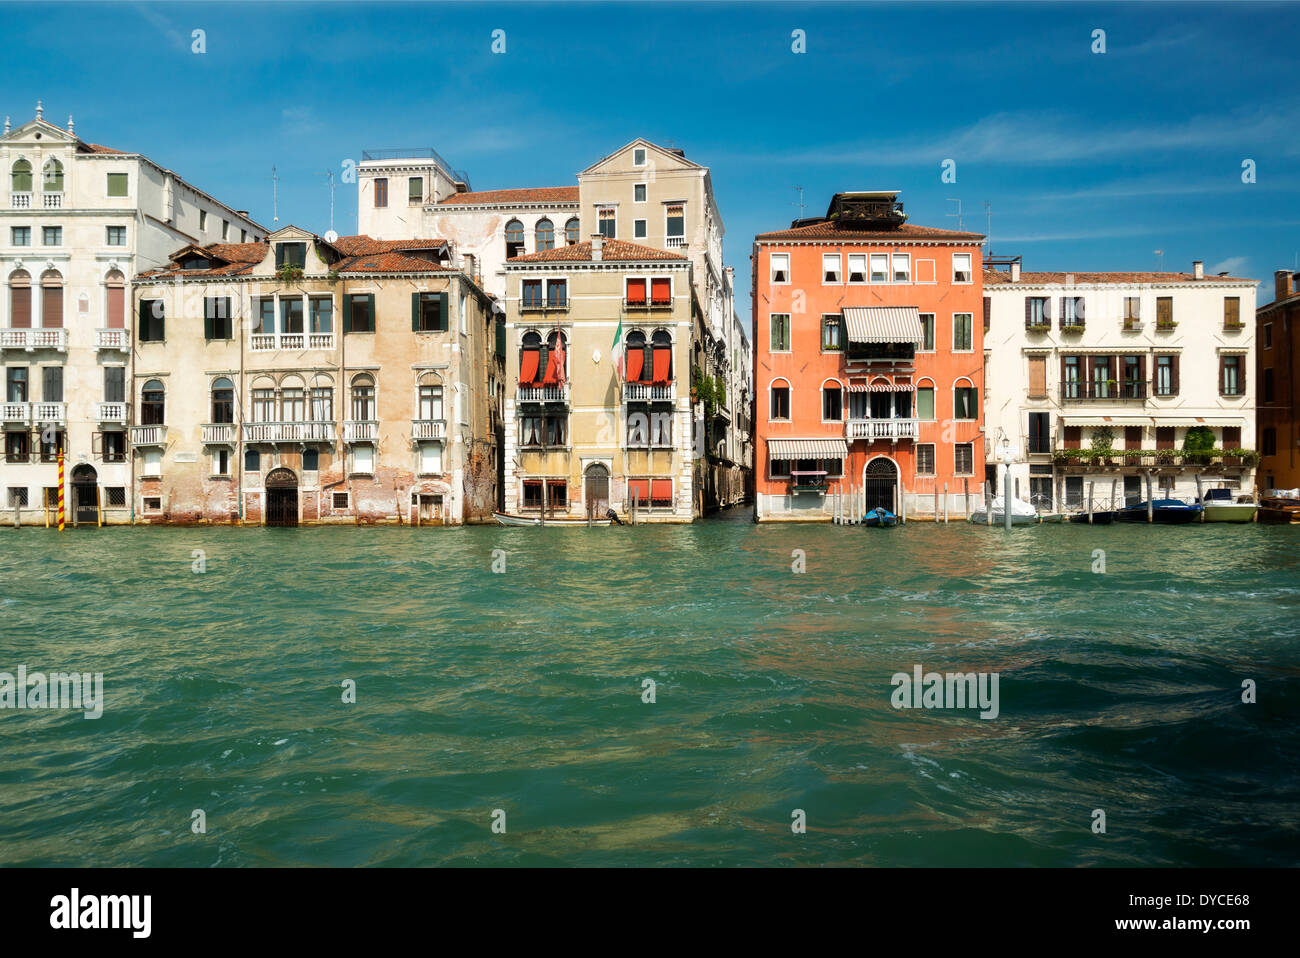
616	350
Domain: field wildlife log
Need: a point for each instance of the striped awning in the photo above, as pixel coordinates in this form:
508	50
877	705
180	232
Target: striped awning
882	388
807	449
1108	421
883	324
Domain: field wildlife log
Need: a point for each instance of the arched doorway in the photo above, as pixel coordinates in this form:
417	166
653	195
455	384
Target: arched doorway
281	498
880	484
85	495
595	491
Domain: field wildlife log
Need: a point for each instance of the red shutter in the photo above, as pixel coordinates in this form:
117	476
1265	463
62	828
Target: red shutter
638	489
661	291
1231	437
662	357
635	363
20	313
1132	437
52	307
636	291
116	307
1071	437
661	490
528	367
1173	374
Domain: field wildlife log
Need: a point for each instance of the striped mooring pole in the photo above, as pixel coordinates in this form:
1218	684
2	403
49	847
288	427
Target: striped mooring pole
60	490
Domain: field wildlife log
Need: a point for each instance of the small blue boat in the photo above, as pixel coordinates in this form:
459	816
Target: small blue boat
1166	511
880	518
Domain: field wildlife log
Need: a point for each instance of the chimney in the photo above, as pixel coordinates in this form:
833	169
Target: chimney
243	213
1015	272
1198	269
597	247
1282	288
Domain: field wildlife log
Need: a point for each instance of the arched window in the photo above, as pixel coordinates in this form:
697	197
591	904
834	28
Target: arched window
430	397
20	299
263	396
116	286
514	239
293	400
322	398
51	299
662	348
965	404
639	364
363	398
152	405
925	399
21	176
572	232
779	392
530	358
832	401
52	180
223	400
545	235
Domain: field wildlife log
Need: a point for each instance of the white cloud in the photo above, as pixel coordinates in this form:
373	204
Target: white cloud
1233	266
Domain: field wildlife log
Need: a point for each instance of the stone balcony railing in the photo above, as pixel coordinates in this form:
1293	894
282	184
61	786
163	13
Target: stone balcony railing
219	433
543	393
110	412
647	392
16	412
870	429
360	430
148	435
288	431
428	429
113	339
31	339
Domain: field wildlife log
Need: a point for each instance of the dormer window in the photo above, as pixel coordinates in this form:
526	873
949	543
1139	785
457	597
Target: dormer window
194	262
290	254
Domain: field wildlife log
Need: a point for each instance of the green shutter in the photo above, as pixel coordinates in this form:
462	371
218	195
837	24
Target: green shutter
279	255
209	307
374	317
925	403
144	316
415	312
347	314
442	311
974	403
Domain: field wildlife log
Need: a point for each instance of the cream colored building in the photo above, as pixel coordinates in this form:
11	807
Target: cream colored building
299	380
582	434
1135	360
77	220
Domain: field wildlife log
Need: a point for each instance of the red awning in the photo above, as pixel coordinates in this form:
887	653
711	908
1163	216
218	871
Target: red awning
661	489
638	489
660	291
636	291
554	368
635	363
528	367
662	359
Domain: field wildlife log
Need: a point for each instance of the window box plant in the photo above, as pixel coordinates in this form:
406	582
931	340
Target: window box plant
1165	324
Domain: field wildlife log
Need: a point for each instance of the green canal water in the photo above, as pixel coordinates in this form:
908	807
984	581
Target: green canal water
522	691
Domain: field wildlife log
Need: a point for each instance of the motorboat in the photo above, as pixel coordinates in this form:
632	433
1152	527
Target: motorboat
1220	507
1165	511
880	518
1022	514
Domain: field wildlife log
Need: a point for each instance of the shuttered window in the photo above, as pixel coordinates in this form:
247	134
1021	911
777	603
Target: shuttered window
1070	437
1164	437
20	301
925	402
1164	311
52	303
1132	437
1232	311
661	291
1037	377
116	305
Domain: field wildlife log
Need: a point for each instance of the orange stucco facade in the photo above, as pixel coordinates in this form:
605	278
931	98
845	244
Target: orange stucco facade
919	405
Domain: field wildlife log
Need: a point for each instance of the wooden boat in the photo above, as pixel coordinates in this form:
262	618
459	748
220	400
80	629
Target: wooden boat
1219	507
1164	511
1022	514
1279	509
880	518
506	519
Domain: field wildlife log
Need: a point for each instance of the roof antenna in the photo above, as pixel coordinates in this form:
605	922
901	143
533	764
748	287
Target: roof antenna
1160	263
958	213
330	174
800	189
988	211
275	196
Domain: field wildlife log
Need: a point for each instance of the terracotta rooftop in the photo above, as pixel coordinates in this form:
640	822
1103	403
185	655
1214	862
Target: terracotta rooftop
613	250
542	194
96	148
390	262
361	255
362	245
1000	277
828	230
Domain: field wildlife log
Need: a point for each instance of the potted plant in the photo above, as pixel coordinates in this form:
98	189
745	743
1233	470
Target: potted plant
1102	443
288	272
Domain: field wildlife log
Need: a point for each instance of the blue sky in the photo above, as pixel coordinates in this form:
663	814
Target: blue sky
1090	161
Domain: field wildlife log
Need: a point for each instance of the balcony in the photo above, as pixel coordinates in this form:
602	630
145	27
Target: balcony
1108	391
288	432
360	430
543	394
676	242
52	201
16	412
149	435
49	412
110	412
113	339
33	339
20	201
320	340
661	302
428	429
872	429
537	306
219	434
269	342
648	392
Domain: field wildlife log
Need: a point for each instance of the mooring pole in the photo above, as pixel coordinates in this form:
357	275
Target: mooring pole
1090	484
60	488
945	503
1200	497
1151	506
1006	499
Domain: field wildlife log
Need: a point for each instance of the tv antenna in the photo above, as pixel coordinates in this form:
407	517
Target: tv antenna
958	213
275	196
988	212
330	174
1160	261
801	206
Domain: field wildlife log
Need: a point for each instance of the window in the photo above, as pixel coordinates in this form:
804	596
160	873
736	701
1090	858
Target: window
363	398
1037	377
322	404
780	402
544	235
880	267
361	313
115	446
532	494
290	254
1164	312
832	403
117	185
925	459
114	384
429	312
221	461
1166	375
18	446
572	232
151	503
1232	312
988	312
857	267
962	333
1164	437
414	190
381	192
831	339
964	405
17	496
927	332
152	321
780	263
532	293
52	235
16	384
1268	334
638	229
557	293
217	323
152	404
1071	437
1132	311
638	156
51	384
779	468
51	299
363	460
1071	312
264	405
152	468
431	401
21	174
606	223
1037	311
1268	440
639	192
430	458
291	314
514	239
322	314
830	267
1232	382
339	500
780	333
20	235
115	235
252	460
225	231
961	272
924	402
53	176
223	401
964	459
1040	432
902	268
1268	384
203	220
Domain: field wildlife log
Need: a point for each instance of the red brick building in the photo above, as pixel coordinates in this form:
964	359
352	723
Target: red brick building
1277	358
